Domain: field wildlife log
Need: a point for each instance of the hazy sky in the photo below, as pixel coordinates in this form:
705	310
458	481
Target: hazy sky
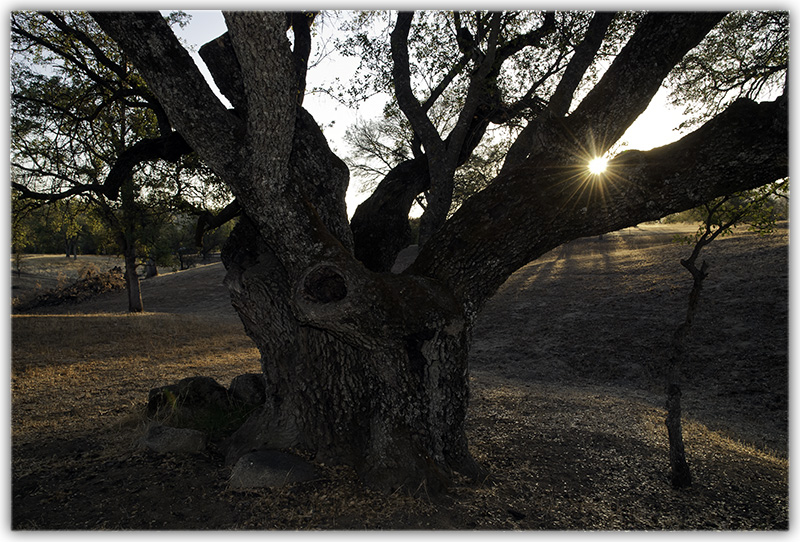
655	127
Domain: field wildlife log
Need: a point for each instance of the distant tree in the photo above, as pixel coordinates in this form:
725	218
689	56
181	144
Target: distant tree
745	56
69	226
85	126
371	368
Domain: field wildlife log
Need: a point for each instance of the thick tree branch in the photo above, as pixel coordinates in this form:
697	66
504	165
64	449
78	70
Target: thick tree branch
169	148
412	109
542	204
251	152
380	224
207	221
172	75
559	103
270	88
475	93
329	184
627	87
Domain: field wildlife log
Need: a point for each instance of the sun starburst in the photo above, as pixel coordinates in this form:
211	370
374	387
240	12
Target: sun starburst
597	165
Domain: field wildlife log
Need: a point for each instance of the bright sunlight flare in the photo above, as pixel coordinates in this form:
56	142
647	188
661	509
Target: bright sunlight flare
597	165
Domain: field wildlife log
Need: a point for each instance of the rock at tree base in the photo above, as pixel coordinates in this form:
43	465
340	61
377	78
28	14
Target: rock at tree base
196	391
270	469
248	389
163	439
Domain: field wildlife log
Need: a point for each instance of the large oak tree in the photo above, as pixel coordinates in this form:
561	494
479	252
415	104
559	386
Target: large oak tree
370	368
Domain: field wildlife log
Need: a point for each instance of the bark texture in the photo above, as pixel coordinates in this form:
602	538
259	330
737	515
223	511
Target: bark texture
133	286
384	390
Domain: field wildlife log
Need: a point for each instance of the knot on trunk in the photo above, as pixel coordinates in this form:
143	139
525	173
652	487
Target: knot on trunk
324	284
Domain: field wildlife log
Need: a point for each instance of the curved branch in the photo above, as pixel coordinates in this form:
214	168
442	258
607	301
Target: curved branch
169	148
401	74
207	221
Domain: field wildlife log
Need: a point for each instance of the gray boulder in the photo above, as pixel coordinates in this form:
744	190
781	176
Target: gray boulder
270	469
405	258
163	439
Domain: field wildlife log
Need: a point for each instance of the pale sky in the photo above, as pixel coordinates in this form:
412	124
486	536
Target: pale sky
655	127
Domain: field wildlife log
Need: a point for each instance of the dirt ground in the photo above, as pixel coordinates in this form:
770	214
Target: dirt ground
566	411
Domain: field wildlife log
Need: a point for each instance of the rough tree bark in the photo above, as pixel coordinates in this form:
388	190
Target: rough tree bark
371	368
132	284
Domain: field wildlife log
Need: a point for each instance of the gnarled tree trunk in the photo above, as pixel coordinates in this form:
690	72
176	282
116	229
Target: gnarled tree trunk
371	368
388	395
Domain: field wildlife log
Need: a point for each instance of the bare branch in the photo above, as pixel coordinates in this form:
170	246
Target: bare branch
410	106
78	189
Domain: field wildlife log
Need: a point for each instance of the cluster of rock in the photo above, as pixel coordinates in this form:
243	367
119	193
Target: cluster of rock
197	406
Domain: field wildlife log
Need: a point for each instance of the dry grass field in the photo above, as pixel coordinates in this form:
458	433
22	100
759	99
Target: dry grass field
566	412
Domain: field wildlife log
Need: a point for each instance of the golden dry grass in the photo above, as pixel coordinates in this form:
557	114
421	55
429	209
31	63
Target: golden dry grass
563	457
91	366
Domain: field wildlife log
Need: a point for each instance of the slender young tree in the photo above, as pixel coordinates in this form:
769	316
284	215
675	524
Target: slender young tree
371	368
718	218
